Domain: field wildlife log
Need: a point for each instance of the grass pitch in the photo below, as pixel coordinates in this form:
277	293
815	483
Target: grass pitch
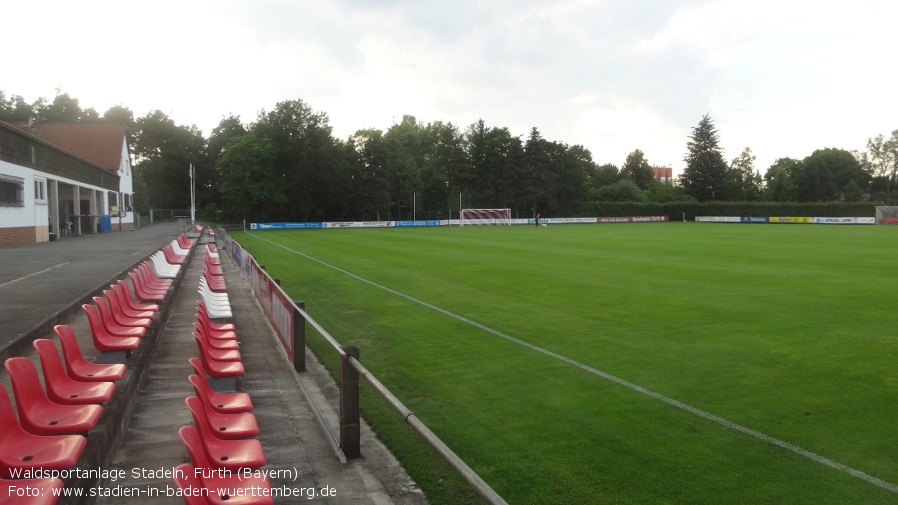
788	330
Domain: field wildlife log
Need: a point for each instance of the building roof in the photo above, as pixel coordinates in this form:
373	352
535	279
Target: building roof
98	143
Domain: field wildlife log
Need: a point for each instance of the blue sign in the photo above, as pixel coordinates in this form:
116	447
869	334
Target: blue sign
284	226
745	219
417	223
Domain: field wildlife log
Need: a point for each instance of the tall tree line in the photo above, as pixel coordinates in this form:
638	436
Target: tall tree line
286	165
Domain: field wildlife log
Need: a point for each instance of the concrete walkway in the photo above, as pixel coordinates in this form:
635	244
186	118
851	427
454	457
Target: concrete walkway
294	444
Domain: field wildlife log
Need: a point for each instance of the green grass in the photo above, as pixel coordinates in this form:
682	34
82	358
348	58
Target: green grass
786	330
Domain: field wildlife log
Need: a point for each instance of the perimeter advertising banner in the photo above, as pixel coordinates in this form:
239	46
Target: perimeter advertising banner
284	226
359	224
844	220
790	220
276	305
786	220
402	224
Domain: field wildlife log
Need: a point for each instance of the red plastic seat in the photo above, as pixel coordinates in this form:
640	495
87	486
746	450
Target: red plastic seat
224	453
119	315
220	355
115	298
185	242
148	274
37	413
103	340
212	258
215	368
148	267
81	369
212	269
226	403
213	326
142	292
226	344
226	426
203	488
170	255
216	284
45	491
113	327
63	389
22	450
220	335
124	292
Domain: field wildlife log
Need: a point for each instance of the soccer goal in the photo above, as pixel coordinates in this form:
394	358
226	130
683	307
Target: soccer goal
484	217
887	214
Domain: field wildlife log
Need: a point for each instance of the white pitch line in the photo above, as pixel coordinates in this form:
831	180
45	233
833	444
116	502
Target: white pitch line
32	275
658	396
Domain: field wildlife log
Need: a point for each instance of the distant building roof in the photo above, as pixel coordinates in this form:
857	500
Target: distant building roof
98	143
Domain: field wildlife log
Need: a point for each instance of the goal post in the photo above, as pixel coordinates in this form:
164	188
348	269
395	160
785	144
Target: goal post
484	217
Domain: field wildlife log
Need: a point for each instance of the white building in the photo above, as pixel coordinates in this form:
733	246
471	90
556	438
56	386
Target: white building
59	179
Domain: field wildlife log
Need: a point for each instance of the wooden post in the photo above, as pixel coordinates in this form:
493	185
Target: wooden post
299	338
350	426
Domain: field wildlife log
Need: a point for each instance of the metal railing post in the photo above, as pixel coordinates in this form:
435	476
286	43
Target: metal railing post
350	425
299	337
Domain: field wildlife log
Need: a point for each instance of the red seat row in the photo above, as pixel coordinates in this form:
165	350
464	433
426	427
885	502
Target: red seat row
50	432
222	420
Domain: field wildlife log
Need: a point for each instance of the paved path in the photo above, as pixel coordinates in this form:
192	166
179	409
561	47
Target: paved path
38	280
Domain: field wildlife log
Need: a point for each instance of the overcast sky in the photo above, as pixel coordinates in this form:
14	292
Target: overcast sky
782	77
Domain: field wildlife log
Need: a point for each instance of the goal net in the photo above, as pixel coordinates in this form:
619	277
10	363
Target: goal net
484	217
887	214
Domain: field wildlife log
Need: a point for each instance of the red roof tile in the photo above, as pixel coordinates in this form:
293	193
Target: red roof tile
98	143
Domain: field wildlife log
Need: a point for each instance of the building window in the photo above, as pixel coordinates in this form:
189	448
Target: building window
40	190
126	197
12	191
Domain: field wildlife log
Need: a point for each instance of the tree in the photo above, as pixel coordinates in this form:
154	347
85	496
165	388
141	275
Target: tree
660	192
705	174
371	178
208	172
624	190
571	178
881	162
444	157
63	109
781	179
119	114
15	109
495	157
310	164
163	153
604	175
250	188
638	170
743	182
826	175
405	141
535	184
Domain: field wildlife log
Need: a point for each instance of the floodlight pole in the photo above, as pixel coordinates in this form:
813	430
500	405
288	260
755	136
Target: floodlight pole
192	196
